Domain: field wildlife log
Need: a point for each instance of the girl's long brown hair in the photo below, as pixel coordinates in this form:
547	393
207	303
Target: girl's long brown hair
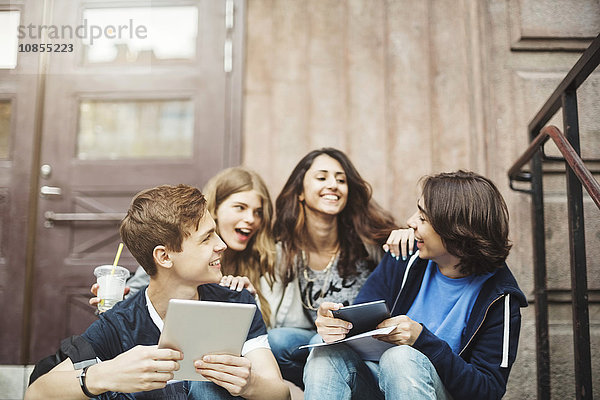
258	258
363	226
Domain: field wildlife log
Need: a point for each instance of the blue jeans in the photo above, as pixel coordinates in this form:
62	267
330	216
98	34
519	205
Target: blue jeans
173	391
284	344
197	390
201	390
337	372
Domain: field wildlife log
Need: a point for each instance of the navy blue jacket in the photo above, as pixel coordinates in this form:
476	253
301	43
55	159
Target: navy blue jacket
488	346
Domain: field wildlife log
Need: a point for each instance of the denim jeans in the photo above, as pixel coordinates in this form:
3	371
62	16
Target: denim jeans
337	372
200	390
284	344
173	391
197	390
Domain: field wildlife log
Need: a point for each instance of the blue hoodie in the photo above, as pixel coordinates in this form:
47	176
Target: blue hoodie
489	342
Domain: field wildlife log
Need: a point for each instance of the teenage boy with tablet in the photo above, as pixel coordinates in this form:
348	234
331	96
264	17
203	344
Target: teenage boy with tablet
172	235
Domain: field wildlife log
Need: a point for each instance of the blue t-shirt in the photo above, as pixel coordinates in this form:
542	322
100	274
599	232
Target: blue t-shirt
444	304
129	324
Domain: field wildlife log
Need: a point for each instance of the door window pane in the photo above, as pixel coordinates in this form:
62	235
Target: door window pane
5	110
9	22
140	35
148	129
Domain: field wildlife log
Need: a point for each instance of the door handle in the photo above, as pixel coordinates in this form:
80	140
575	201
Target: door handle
83	217
46	191
52	217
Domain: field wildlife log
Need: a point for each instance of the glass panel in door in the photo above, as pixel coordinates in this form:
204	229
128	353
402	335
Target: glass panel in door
9	22
145	129
5	112
140	35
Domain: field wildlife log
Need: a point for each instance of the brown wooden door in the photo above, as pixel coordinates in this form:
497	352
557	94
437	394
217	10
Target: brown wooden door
18	94
128	118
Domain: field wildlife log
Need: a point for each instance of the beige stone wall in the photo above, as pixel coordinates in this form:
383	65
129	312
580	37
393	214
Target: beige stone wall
410	87
366	77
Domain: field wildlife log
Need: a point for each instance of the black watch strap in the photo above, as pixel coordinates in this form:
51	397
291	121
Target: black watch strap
84	388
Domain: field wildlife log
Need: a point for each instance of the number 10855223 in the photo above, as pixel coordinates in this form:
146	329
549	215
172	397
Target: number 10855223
45	48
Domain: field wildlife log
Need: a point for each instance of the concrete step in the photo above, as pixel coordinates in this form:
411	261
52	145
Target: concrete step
13	381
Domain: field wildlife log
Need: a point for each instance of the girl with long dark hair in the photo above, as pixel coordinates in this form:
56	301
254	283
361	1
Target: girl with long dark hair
329	234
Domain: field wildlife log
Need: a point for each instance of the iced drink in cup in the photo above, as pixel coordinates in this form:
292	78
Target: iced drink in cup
111	284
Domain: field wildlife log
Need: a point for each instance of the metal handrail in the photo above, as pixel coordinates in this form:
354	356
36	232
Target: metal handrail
575	77
586	178
577	177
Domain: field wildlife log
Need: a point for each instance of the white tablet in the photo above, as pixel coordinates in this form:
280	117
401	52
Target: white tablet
202	327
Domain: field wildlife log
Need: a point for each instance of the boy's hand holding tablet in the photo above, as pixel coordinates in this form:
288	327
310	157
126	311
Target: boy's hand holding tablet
335	322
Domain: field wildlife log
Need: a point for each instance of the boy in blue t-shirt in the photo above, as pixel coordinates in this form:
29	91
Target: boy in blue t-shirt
454	306
172	235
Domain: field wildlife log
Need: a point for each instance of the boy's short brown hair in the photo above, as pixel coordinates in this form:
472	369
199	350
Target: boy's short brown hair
470	215
164	215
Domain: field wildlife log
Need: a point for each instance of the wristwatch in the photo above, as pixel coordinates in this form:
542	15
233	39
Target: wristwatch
84	388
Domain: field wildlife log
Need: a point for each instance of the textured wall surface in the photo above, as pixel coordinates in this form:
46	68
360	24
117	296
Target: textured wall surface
407	88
